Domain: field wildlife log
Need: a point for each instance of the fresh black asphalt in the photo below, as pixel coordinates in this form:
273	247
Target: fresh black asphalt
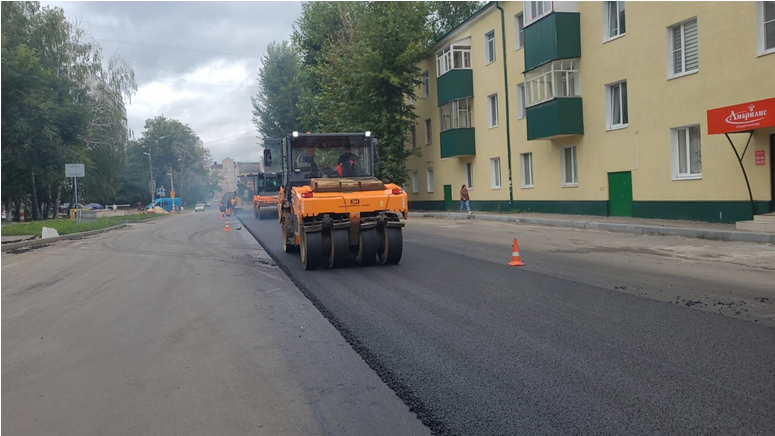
476	347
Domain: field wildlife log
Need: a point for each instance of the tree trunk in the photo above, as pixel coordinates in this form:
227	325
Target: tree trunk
35	205
9	209
57	202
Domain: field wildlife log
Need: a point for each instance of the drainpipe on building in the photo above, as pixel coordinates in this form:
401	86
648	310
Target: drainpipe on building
508	118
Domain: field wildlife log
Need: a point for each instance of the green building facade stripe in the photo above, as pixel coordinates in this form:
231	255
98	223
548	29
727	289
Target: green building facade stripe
561	116
458	142
707	211
556	36
454	84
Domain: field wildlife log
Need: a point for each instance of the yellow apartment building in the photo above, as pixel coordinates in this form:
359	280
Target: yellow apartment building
600	108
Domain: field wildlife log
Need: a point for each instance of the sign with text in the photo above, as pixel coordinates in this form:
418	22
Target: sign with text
74	170
759	157
742	117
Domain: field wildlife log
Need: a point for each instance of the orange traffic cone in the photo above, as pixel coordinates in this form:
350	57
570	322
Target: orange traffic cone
515	260
227	226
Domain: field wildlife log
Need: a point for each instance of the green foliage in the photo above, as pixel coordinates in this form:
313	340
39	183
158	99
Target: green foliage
446	15
67	227
59	105
275	108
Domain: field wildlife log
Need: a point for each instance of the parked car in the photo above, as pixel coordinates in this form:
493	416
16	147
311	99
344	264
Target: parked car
207	204
94	206
199	207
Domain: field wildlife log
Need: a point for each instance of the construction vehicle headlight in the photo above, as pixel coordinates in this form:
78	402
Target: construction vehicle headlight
368	134
295	134
306	195
396	191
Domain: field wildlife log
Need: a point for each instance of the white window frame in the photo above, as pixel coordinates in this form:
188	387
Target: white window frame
541	86
534	11
455	56
574	167
761	30
415	188
526	161
428	132
675	151
607	16
468	175
521	107
413	135
489	47
495	173
609	106
459	117
671	74
429	178
519	30
492	106
426	84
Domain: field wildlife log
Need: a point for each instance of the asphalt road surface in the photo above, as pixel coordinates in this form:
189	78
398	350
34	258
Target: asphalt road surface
565	345
175	326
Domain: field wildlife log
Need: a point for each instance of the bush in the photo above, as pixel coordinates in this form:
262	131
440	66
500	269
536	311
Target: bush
67	227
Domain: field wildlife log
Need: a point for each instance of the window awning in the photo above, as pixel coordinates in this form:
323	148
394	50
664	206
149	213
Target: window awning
742	117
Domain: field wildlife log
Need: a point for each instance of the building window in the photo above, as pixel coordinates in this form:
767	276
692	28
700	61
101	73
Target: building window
454	56
456	114
521	109
526	168
613	20
534	11
765	27
492	110
413	135
469	175
684	53
617	116
428	132
554	79
426	84
519	28
430	179
415	188
411	100
489	47
495	173
687	152
570	175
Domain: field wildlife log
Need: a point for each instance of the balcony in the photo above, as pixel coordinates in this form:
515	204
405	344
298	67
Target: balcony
556	36
455	84
554	118
458	142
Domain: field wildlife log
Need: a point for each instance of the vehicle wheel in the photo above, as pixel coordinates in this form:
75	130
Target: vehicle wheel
288	247
340	248
367	247
391	245
311	250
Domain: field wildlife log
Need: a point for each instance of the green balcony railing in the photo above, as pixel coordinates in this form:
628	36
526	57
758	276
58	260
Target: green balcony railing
558	117
455	84
458	142
556	36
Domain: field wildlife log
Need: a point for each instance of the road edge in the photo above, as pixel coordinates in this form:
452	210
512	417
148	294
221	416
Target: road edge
34	242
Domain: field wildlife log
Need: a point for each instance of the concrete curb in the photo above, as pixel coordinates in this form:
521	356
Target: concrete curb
715	235
34	242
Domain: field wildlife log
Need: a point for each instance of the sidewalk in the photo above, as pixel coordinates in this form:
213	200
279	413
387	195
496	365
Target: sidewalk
687	229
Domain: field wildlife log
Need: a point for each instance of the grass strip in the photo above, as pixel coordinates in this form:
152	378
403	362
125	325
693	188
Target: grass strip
67	227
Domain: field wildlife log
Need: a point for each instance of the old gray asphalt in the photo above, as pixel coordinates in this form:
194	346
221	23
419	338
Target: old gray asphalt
177	327
476	347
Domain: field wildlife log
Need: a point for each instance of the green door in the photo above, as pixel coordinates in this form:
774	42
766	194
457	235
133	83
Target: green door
447	197
620	194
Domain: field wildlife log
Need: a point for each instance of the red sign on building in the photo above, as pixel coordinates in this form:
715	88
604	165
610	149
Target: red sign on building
742	117
759	157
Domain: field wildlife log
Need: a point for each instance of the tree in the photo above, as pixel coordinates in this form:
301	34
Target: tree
275	108
366	70
445	16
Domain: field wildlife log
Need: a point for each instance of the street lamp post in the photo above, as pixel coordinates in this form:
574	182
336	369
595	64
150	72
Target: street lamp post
150	165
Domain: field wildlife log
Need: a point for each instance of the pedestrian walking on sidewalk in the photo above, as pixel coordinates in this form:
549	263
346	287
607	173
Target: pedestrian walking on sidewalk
464	199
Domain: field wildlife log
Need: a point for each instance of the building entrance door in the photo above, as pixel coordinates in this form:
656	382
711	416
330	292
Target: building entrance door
620	194
447	197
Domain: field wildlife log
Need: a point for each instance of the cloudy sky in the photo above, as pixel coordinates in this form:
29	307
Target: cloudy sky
196	62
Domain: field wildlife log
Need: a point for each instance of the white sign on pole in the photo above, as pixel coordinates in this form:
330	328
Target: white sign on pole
74	170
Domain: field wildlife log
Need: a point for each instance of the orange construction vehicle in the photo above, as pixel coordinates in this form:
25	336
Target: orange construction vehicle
267	194
332	206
